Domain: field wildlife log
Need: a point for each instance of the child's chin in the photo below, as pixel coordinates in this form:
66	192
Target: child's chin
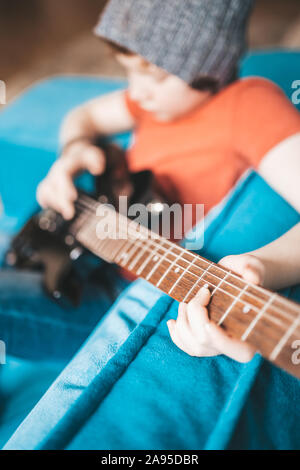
163	117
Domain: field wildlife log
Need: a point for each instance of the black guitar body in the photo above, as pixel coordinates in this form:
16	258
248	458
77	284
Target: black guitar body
46	245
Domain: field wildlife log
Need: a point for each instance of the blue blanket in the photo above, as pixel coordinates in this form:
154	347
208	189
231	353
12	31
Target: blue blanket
129	387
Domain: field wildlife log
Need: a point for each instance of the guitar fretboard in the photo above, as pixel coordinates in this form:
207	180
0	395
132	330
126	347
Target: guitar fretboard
263	318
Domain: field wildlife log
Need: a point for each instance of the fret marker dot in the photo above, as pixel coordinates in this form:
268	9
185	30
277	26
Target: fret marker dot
177	270
246	309
76	253
155	258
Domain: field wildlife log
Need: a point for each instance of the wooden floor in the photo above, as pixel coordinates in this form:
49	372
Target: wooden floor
40	38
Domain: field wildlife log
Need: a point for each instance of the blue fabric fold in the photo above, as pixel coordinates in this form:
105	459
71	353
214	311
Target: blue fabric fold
92	372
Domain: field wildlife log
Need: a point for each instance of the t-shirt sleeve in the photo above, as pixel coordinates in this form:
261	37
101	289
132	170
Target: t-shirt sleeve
263	117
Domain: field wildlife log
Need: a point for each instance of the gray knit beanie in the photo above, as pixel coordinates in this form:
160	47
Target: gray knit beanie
187	38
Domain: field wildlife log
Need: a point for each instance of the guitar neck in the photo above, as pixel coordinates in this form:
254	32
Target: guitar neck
264	319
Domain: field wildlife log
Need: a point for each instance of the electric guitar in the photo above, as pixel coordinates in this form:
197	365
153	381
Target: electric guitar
45	244
264	319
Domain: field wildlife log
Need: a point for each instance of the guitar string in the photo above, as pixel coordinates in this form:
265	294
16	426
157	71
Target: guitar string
239	318
274	308
283	313
276	321
93	205
258	333
273	320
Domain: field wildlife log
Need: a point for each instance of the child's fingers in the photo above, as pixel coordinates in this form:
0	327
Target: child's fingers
197	318
197	315
94	160
85	157
254	272
173	330
173	333
204	296
212	338
41	196
184	337
195	334
233	348
248	266
182	322
171	327
183	330
65	185
198	350
49	196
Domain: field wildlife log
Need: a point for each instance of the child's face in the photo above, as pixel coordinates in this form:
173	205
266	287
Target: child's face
166	96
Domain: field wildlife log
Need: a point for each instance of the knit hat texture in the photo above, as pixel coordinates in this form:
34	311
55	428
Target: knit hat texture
187	38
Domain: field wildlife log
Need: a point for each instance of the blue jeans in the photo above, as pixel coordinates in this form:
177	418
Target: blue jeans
33	326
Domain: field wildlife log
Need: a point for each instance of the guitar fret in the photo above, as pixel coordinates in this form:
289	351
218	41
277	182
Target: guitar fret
284	339
101	244
76	226
100	247
181	276
220	283
258	317
233	304
197	282
122	254
169	269
137	258
87	233
119	250
147	260
158	264
122	251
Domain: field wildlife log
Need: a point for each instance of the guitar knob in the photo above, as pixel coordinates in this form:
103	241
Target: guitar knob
47	224
57	294
69	240
76	253
103	199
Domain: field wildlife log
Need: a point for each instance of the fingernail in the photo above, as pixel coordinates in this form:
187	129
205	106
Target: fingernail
203	290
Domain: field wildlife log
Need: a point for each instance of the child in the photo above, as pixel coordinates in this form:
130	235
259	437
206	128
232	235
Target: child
195	127
275	266
177	55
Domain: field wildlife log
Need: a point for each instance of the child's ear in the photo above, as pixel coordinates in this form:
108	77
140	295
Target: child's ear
116	48
206	84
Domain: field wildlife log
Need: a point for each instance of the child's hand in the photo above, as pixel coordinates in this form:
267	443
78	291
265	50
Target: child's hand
57	190
248	266
195	334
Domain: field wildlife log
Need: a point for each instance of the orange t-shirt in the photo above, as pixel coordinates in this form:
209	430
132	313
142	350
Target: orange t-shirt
202	154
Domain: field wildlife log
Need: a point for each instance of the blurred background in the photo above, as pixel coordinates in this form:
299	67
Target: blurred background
39	38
